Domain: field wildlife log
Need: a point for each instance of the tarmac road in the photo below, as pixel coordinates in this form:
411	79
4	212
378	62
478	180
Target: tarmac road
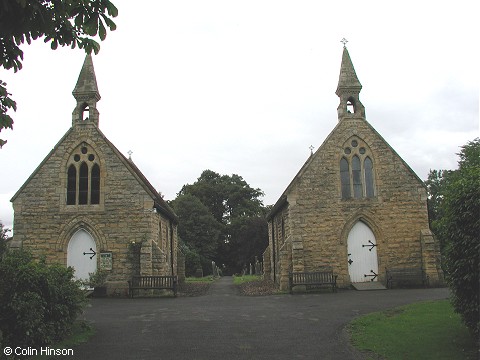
224	325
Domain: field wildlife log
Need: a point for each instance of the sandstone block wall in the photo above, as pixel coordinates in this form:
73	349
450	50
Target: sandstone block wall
317	219
44	224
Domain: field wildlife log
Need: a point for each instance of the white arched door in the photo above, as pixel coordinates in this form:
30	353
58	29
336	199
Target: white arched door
82	254
362	254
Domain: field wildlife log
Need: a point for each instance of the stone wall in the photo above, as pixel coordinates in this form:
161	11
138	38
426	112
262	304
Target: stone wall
44	224
319	220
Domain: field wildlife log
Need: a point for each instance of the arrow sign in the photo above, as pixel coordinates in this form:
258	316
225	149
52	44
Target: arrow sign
374	276
371	245
93	253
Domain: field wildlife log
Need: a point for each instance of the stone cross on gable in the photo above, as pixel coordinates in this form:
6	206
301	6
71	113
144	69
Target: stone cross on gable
130	152
344	42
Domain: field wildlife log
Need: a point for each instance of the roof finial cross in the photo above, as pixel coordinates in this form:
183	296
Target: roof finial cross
344	42
311	147
130	152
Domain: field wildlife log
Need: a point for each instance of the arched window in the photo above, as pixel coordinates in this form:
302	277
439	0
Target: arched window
95	185
357	177
85	112
83	177
71	185
83	185
345	178
369	188
350	106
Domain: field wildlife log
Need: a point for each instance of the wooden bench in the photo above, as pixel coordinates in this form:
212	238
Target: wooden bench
406	277
316	278
152	282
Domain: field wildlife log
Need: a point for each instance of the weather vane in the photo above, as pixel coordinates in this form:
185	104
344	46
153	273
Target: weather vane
344	42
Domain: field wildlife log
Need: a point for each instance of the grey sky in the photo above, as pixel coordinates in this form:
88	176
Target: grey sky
246	87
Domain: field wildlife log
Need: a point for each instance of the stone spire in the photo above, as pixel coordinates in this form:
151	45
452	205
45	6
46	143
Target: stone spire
86	93
348	89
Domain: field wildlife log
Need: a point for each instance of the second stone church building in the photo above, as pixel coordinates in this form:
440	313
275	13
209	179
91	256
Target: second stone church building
355	206
88	206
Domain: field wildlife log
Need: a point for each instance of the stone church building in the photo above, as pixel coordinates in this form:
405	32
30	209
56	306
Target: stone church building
88	206
355	206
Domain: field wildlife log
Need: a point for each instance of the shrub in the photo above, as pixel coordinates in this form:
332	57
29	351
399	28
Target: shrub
38	302
460	225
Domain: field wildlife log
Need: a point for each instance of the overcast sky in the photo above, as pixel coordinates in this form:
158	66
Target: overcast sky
246	87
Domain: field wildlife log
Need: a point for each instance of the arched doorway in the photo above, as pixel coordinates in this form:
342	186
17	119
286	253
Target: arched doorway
82	254
362	254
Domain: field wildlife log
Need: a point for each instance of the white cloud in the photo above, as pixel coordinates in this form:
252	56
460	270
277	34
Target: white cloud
246	87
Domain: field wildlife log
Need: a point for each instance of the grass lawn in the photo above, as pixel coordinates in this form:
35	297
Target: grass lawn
81	332
427	330
237	280
200	279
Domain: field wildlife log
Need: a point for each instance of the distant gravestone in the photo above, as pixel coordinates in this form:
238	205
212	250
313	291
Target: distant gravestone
199	273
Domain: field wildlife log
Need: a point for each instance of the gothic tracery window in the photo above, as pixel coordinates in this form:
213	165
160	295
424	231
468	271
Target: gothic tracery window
357	175
83	177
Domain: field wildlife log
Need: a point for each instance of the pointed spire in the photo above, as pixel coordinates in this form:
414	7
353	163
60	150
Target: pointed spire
86	93
348	79
348	89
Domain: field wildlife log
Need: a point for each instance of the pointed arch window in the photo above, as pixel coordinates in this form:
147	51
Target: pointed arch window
345	178
83	185
71	185
369	187
350	106
95	183
357	175
83	178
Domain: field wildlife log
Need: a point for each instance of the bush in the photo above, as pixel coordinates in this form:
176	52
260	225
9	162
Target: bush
38	302
460	226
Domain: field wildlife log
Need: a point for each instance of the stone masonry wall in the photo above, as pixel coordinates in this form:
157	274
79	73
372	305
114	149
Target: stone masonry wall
320	219
44	223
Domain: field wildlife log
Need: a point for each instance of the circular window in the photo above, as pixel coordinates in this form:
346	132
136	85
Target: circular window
362	150
91	157
347	150
76	157
354	143
84	150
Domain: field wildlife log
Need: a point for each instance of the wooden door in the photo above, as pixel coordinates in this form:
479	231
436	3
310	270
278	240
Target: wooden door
362	254
82	254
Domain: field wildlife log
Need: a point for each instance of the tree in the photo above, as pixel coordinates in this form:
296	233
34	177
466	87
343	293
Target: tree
249	239
436	183
459	227
3	240
60	22
235	205
198	229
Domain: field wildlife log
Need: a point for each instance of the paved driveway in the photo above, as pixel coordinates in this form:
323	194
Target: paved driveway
223	325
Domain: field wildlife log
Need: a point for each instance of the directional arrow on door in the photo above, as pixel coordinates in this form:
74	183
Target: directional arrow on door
373	277
93	253
371	245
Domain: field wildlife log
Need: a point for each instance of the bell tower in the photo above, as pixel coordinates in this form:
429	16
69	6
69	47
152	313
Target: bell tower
348	89
86	94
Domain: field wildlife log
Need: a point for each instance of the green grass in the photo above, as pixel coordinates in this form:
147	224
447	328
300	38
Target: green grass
428	330
81	332
237	280
201	279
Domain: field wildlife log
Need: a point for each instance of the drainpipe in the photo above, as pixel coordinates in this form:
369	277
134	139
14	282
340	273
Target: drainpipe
274	251
171	247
